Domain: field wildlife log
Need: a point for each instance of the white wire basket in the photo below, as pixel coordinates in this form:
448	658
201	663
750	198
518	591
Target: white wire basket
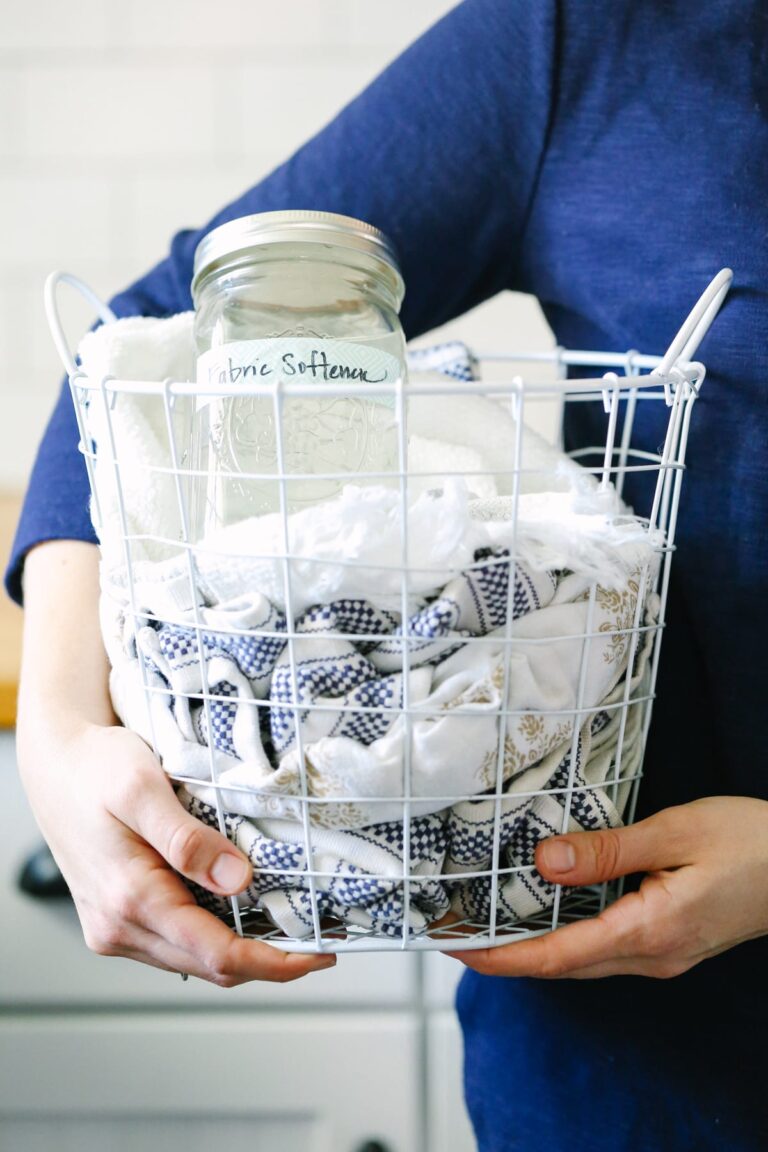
388	699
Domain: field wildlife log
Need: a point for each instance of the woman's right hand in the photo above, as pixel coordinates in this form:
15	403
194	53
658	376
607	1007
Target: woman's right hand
107	809
119	836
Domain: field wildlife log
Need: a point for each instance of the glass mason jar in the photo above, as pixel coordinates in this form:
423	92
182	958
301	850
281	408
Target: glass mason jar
303	297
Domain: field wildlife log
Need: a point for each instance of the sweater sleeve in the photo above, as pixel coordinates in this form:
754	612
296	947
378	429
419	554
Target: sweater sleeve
442	152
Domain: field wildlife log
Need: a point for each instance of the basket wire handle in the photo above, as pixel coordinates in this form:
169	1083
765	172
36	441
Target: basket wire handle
103	311
682	348
696	326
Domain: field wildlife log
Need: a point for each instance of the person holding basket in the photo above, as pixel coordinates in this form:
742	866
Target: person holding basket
607	159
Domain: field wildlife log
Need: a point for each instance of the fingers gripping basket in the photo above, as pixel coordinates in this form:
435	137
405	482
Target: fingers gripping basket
388	699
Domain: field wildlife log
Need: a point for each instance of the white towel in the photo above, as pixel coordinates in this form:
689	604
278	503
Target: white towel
350	547
141	348
467	434
137	348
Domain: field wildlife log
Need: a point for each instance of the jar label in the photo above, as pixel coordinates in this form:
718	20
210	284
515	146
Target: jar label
299	359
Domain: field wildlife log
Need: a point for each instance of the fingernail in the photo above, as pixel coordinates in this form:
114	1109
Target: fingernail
230	872
327	962
559	856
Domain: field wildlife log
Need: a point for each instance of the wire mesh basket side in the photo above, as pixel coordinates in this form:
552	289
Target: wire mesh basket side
243	700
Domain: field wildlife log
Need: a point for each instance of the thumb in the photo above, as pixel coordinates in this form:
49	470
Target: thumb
591	857
192	848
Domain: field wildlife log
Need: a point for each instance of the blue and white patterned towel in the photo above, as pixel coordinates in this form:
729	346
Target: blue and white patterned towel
358	872
452	359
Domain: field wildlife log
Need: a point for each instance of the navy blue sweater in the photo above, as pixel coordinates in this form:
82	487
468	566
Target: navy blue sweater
608	158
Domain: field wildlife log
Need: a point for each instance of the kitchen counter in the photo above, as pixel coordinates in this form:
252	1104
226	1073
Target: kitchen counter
10	618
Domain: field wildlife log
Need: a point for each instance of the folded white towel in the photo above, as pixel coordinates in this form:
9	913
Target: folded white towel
469	434
430	461
486	427
141	348
137	348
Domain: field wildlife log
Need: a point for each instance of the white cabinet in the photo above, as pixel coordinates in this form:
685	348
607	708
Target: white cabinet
447	1121
315	1083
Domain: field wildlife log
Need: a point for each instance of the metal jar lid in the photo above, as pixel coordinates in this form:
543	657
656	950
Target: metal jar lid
237	238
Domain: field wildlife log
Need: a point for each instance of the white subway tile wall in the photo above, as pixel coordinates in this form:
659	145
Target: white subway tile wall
55	27
122	122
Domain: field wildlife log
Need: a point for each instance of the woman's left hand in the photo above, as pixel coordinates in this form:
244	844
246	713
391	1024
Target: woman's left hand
706	890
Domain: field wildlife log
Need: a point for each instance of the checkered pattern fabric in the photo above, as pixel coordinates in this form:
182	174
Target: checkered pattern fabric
222	716
366	720
523	820
348	618
452	359
360	677
472	604
361	884
255	656
315	678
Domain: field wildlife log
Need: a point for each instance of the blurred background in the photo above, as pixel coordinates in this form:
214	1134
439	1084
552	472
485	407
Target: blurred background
121	122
